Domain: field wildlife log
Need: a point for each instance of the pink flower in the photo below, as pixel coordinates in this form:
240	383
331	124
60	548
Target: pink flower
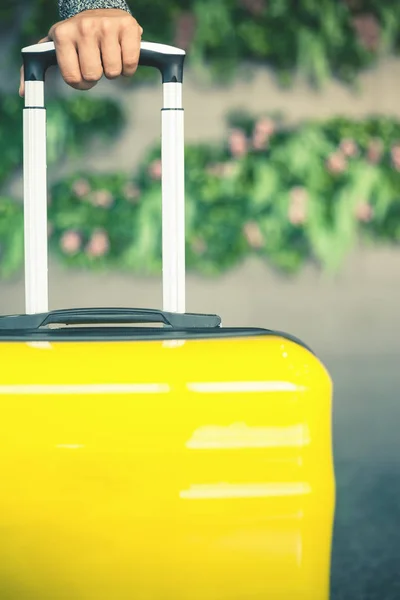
353	4
336	163
253	235
348	147
185	29
230	169
266	126
297	211
364	212
395	154
198	245
368	31
81	188
296	215
263	129
155	169
102	198
254	7
98	245
226	169
259	141
299	195
238	143
375	150
215	170
131	192
70	242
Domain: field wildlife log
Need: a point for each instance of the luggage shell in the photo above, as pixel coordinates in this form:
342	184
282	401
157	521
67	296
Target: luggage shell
200	469
188	461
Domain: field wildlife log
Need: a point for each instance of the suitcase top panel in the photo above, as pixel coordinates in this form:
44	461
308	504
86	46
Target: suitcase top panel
141	334
259	358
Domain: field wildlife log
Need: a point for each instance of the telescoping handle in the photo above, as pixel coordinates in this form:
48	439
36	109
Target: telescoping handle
169	61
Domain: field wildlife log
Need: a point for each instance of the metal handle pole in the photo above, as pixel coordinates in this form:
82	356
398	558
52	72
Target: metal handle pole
173	199
35	199
169	60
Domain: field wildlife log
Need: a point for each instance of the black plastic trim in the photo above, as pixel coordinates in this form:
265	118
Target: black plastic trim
85	316
37	63
169	65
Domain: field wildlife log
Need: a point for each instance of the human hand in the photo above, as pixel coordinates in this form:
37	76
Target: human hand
94	43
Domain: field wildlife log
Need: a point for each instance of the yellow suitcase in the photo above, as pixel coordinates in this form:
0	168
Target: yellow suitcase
185	461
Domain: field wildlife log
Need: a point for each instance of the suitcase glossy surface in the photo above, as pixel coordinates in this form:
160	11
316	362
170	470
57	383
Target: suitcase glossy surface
158	469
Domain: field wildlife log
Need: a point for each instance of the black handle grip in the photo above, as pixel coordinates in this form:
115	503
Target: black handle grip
102	316
167	59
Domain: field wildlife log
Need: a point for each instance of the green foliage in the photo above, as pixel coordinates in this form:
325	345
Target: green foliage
82	226
10	136
287	195
71	123
7	14
11	237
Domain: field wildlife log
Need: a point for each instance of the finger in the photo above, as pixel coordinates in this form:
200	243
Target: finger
90	60
130	50
21	90
111	56
68	63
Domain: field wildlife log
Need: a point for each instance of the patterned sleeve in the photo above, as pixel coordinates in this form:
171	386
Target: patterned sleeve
69	8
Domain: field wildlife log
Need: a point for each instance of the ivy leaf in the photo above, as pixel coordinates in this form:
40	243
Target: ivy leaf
266	182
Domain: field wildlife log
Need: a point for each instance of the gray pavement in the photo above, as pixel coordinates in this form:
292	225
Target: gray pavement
366	548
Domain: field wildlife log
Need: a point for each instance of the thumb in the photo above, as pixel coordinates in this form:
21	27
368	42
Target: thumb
22	79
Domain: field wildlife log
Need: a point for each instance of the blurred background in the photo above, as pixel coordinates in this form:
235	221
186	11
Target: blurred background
293	209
